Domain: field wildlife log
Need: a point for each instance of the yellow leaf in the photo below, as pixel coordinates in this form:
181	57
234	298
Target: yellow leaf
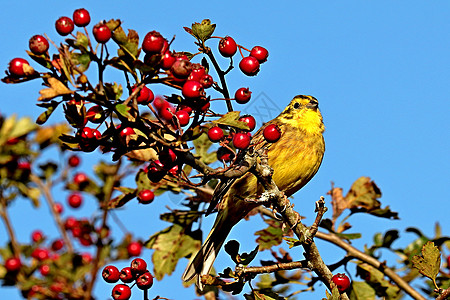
57	88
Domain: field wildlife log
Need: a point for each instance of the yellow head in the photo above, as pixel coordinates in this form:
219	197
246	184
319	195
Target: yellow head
303	113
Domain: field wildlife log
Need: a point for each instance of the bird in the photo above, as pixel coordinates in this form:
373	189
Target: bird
295	158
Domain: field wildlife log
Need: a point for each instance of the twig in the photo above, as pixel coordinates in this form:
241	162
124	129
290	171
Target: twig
272	268
9	228
45	188
353	252
444	295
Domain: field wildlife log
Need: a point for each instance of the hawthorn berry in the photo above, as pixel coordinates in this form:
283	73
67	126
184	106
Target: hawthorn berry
81	17
181	69
206	81
37	236
121	292
102	33
71	223
95	114
58	207
272	133
145	96
224	154
57	245
241	140
227	46
74	161
126	276
155	171
86	258
260	53
80	178
75	200
197	73
38	44
126	132
110	274
183	117
242	95
138	266
19	67
153	42
167	60
13	264
249	66
341	281
215	134
159	103
64	26
167	111
250	120
192	89
40	254
144	281
44	269
134	249
167	157
88	133
146	196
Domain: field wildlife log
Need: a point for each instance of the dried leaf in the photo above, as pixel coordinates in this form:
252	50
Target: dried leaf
270	236
362	291
429	262
232	119
57	88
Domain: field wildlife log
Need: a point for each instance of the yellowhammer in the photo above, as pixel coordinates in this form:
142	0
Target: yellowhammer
295	159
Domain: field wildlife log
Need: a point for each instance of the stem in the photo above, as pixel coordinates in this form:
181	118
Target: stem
353	252
45	188
9	228
273	268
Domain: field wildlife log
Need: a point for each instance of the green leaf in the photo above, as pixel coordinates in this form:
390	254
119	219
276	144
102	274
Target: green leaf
349	236
376	279
203	30
247	258
181	217
232	248
170	245
13	128
43	117
270	236
82	60
202	145
124	111
82	40
40	59
292	242
362	291
263	295
232	119
429	262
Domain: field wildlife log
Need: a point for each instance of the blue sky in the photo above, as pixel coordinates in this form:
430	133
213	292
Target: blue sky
380	71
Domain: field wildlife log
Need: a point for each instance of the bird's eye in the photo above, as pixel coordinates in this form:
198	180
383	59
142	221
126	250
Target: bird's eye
296	105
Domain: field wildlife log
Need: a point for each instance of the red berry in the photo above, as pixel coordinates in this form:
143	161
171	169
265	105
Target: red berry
19	67
95	114
181	69
153	42
174	170
215	134
249	66
183	117
80	178
197	73
242	95
250	120
64	26
81	17
138	266
205	107
159	103
272	133
102	33
260	53
145	96
206	81
110	274
37	236
40	254
192	89
126	276
71	223
38	44
167	60
57	245
44	270
88	133
134	249
75	200
341	281
126	132
13	264
146	196
167	111
167	157
58	207
121	292
145	281
86	258
224	154
227	46
241	140
74	161
186	108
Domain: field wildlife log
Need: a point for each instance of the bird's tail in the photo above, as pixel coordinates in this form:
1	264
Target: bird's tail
204	259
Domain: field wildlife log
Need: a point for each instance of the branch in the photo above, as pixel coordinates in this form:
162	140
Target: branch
272	268
45	188
444	295
9	228
353	252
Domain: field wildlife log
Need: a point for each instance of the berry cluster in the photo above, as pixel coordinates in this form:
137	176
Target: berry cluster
136	273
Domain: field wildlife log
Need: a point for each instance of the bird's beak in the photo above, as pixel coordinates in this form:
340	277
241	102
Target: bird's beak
312	105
